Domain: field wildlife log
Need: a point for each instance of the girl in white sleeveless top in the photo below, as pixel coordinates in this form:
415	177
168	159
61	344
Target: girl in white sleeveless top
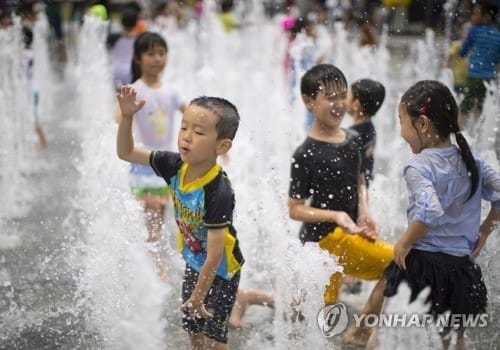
153	129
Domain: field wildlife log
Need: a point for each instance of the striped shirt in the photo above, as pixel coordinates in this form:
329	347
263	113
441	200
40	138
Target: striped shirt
483	47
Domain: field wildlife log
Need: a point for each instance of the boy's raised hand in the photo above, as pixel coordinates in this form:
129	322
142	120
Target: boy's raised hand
127	101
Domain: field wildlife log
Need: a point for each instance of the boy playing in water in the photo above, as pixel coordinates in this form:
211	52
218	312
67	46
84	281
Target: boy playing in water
482	47
203	205
326	169
364	99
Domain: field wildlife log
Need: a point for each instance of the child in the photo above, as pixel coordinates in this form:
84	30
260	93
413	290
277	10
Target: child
142	25
121	48
446	184
303	53
326	168
458	64
364	100
482	46
203	204
244	299
33	91
169	14
227	17
153	126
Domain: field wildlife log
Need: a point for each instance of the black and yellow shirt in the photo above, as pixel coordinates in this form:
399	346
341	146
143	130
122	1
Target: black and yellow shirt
204	204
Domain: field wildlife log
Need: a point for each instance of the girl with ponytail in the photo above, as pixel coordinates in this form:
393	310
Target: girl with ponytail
446	184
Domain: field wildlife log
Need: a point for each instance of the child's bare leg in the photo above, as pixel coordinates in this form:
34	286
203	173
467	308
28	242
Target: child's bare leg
373	341
446	339
41	135
244	299
258	297
461	344
360	335
154	211
211	344
197	341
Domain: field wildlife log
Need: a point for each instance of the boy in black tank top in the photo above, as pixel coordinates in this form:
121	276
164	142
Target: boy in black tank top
326	169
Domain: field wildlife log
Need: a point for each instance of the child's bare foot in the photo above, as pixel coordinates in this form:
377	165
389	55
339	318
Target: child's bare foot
239	309
357	336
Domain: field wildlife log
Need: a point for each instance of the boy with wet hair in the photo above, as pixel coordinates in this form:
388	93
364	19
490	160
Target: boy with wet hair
326	170
203	207
364	99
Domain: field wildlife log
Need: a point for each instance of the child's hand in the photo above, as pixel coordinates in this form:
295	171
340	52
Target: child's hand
369	226
196	308
343	220
127	101
400	253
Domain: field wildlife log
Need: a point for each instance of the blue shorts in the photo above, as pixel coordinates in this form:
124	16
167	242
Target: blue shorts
219	302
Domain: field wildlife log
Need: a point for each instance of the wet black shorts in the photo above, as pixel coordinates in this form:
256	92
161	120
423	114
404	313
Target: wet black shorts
457	283
219	302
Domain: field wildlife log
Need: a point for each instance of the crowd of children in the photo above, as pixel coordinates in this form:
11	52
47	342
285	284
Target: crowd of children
329	178
329	175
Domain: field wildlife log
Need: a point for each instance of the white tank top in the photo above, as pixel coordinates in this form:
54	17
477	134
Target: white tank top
153	124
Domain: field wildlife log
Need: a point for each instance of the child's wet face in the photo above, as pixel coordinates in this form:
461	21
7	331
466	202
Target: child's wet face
330	106
408	130
197	140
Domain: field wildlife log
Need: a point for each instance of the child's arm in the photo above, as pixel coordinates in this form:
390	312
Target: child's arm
118	115
491	222
125	141
415	231
468	42
298	210
215	247
365	221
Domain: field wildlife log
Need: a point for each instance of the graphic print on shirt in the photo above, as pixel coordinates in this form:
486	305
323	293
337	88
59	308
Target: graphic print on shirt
158	120
190	224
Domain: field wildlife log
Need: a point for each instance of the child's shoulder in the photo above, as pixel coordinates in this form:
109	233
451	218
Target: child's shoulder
431	159
489	28
220	186
365	127
165	163
310	144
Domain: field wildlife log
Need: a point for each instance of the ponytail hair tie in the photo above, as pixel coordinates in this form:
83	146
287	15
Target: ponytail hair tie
423	109
459	132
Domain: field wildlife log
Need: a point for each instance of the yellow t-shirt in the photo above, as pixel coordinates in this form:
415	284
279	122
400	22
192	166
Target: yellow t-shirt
228	21
99	11
459	65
